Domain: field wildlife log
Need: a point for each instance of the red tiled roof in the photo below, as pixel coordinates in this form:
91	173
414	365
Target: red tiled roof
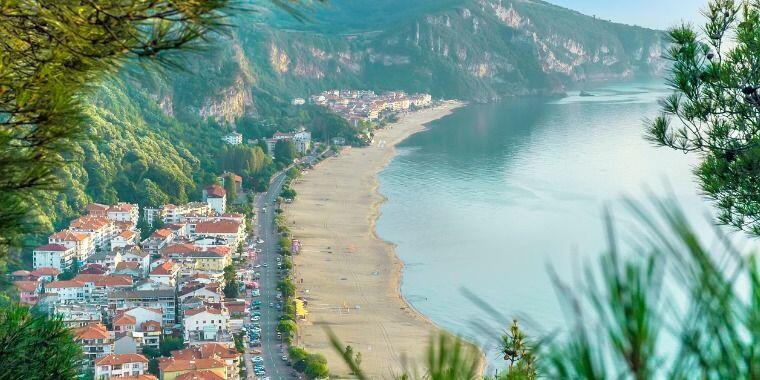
92	268
125	319
26	286
127	234
119	359
150	326
165	269
96	207
45	271
122	207
176	365
162	233
199	375
68	235
215	191
64	284
52	247
89	222
211	310
21	273
139	377
179	248
92	331
218	227
127	265
101	280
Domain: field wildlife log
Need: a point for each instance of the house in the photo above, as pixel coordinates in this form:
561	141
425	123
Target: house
213	259
174	369
119	365
54	256
68	291
131	269
28	291
165	273
236	180
44	274
124	212
82	243
162	299
136	255
298	101
233	138
233	232
157	240
95	340
100	229
151	333
205	324
123	239
144	315
106	259
229	355
204	292
124	324
216	197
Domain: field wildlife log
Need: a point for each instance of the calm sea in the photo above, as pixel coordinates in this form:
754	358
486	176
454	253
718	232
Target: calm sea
491	197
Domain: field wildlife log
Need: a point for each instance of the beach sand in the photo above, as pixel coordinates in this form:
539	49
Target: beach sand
350	276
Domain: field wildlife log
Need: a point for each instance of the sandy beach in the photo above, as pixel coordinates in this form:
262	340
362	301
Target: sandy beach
350	276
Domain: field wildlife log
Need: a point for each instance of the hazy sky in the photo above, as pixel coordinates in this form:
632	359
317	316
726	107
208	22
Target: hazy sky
659	14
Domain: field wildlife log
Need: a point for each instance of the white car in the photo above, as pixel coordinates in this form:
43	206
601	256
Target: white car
260	241
255	318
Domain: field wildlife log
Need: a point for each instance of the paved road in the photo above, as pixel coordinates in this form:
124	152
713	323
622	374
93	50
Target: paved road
271	347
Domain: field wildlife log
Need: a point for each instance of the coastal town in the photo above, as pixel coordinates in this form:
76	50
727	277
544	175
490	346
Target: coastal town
194	290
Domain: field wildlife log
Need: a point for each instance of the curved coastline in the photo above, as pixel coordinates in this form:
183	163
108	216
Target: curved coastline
382	325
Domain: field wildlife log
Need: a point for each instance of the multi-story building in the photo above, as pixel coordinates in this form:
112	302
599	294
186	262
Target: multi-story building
205	324
28	291
162	299
231	231
165	273
123	239
120	365
216	198
157	240
124	212
100	229
179	369
95	340
229	355
75	316
100	285
69	291
82	243
53	256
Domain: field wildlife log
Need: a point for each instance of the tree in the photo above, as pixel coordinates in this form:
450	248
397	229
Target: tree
53	54
169	344
287	288
287	328
316	367
33	340
231	285
715	105
518	354
284	152
231	188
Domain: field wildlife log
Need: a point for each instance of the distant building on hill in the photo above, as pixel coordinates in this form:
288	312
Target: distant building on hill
233	138
299	101
301	140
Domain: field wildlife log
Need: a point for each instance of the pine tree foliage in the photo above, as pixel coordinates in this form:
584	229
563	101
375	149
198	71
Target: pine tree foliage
714	110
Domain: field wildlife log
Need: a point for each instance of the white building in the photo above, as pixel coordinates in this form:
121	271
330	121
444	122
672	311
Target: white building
231	231
144	314
120	365
68	291
216	197
298	101
82	243
54	256
302	141
233	138
205	324
124	239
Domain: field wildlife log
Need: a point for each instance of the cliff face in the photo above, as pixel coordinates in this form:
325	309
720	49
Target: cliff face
469	49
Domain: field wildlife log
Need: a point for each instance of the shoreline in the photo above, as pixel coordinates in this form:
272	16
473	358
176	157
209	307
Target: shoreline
382	325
